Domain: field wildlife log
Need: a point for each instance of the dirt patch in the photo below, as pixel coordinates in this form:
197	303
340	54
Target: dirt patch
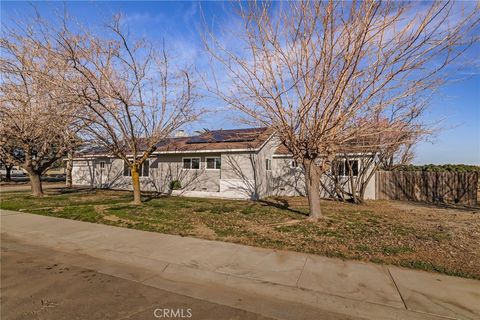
202	231
102	208
111	218
119	221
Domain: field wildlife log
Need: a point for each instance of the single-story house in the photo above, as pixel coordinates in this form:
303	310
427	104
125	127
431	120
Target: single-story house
240	164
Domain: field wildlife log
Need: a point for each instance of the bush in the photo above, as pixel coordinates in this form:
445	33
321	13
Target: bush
175	185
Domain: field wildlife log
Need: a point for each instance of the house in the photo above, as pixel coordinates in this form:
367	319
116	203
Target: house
239	164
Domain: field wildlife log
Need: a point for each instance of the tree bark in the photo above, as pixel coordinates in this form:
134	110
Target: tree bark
8	173
312	177
136	185
35	183
68	178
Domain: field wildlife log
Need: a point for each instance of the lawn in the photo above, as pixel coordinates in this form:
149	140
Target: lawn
411	235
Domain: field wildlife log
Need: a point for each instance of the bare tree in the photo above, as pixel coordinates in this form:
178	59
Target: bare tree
35	114
134	95
320	72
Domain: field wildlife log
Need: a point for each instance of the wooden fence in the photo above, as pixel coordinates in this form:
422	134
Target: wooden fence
443	187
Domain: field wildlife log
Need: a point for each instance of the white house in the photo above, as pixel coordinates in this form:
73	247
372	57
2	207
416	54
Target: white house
240	163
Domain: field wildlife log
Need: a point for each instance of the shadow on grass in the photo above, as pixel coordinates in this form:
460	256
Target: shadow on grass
283	204
146	197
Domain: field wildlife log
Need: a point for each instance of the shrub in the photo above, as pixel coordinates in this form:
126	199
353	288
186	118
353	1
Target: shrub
175	185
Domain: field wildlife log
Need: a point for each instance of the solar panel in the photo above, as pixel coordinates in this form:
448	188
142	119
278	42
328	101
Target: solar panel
225	136
197	139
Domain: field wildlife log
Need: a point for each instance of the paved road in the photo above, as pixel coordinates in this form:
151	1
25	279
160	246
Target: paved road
37	285
26	186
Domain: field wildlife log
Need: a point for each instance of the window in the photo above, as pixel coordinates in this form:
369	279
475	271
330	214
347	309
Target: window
268	164
102	164
144	170
214	163
293	164
191	163
126	169
345	168
351	168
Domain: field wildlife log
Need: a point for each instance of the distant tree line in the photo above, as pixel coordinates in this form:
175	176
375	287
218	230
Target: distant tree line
439	168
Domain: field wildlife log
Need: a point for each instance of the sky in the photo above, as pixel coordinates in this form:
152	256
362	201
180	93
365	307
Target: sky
456	105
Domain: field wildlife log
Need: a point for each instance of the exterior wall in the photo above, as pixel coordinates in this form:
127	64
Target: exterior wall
266	185
166	168
89	173
163	170
83	173
242	174
238	175
286	181
289	181
246	173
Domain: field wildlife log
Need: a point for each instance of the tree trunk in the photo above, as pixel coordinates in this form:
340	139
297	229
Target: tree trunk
68	178
361	194
136	185
312	177
8	173
35	183
366	180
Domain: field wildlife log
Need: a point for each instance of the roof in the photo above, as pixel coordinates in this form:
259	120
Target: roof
353	146
235	139
212	140
282	150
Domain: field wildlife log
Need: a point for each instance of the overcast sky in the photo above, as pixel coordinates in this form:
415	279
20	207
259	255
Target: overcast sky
179	24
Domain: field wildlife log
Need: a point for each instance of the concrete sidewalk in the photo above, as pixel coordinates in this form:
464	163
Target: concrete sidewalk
279	284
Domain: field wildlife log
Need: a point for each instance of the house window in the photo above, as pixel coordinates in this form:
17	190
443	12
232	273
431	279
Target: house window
126	169
351	168
214	163
144	170
102	164
268	164
191	163
293	164
345	168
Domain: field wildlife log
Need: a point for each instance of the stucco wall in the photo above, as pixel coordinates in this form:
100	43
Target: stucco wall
163	170
166	168
83	173
264	175
238	175
287	181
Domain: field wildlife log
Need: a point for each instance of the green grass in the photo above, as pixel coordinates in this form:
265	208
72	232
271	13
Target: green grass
375	232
